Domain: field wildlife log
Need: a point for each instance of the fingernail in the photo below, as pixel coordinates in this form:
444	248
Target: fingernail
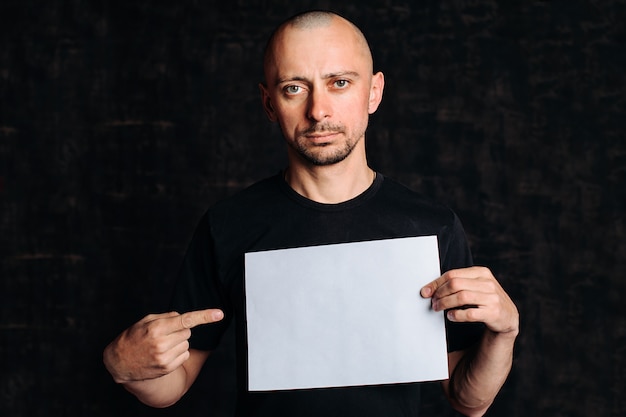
426	291
218	315
450	315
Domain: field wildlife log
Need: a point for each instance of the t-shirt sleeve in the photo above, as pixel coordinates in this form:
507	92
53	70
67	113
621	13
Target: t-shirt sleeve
198	287
454	253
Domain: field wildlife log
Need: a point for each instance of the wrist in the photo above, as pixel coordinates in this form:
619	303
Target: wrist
506	337
109	359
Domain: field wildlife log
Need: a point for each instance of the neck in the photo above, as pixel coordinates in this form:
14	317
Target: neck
330	184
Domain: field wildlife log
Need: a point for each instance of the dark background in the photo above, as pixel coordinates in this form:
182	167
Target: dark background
121	122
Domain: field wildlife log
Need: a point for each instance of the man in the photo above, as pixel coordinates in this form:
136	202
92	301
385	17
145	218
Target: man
321	89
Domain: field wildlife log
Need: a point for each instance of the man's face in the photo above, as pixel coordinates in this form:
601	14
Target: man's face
321	91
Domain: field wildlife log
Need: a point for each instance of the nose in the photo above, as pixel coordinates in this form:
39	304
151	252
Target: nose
319	106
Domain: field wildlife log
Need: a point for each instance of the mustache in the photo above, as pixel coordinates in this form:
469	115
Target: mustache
317	128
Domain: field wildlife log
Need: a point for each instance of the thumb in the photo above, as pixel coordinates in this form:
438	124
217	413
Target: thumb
192	319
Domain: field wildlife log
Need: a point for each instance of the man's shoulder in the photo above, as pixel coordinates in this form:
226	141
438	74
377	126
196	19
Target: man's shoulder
403	197
250	196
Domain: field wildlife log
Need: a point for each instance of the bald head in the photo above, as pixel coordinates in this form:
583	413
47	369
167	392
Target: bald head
321	89
311	20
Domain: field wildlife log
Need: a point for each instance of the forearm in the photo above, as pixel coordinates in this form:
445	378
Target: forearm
160	392
480	373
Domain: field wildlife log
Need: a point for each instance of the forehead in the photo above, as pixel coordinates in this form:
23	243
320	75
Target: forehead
325	48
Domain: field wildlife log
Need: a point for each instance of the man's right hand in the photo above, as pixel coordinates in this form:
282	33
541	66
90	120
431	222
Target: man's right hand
154	346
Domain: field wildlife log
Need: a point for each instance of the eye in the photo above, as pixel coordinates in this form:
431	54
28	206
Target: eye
341	83
292	89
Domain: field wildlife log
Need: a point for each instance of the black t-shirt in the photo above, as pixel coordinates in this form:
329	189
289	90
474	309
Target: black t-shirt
270	215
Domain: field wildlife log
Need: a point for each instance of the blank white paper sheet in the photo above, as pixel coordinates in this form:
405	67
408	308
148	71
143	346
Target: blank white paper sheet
343	315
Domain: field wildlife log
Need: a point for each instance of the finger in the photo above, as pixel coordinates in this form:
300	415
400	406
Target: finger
464	299
475	314
174	351
429	289
178	361
195	318
172	339
152	317
457	285
453	280
471	272
172	359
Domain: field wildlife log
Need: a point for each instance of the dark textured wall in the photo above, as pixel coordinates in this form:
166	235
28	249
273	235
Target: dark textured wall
120	122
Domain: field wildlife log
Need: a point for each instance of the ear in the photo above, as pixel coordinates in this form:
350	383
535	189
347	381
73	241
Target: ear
267	103
376	92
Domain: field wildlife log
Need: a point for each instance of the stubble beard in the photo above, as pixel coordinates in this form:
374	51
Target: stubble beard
317	154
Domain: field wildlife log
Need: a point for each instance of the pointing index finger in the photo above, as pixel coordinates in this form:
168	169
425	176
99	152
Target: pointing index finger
192	319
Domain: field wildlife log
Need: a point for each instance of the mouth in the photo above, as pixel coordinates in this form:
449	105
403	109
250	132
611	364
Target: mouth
321	136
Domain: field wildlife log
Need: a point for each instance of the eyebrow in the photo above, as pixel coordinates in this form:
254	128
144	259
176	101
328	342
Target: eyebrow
327	76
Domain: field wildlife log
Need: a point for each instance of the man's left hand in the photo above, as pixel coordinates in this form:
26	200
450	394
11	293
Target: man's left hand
473	295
